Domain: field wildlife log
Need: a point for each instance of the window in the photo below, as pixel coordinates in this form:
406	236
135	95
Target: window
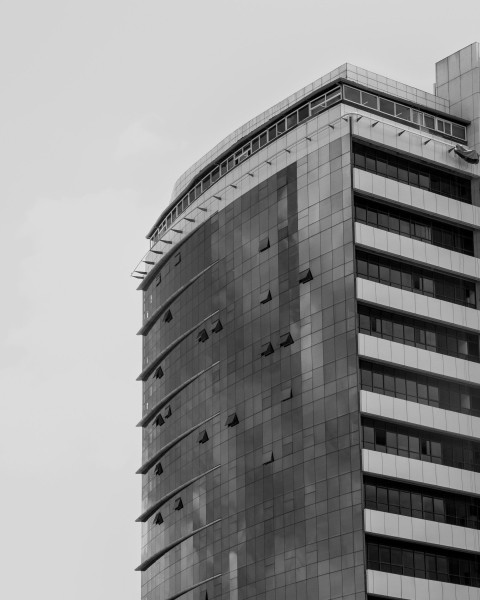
265	297
202	336
414	279
267	349
414	332
425	562
402	111
159	421
217	326
420	445
232	420
202	437
408	171
264	244
422	503
305	276
286	340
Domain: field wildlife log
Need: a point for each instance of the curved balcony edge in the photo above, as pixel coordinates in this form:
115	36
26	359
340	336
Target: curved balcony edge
158	407
149	512
150	462
153	559
148	370
161	309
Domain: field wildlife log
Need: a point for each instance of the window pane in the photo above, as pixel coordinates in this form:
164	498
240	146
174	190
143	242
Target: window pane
387	106
369	100
351	94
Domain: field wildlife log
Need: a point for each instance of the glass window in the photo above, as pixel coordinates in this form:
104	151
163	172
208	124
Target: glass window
429	121
291	120
369	100
387	106
317	105
351	94
459	131
333	96
417	117
402	111
303	113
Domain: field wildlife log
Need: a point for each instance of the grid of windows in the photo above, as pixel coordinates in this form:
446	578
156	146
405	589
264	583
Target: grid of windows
421	503
411	172
284	124
421	334
415	226
420	445
425	562
414	279
404	112
420	388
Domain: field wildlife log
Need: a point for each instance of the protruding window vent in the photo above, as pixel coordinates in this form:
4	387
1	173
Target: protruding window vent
202	335
178	258
264	244
158	280
286	339
217	326
232	420
265	297
204	595
158	520
268	458
168	412
305	276
267	349
159	373
168	316
159	421
286	394
158	469
178	504
202	437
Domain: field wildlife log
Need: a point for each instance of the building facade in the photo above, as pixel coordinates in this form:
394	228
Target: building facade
311	360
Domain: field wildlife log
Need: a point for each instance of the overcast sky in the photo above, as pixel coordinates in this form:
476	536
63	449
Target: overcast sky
103	105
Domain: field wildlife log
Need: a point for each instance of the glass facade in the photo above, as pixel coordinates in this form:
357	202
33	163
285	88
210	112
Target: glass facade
268	378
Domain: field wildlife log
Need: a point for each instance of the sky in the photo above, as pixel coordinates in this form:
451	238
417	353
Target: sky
103	104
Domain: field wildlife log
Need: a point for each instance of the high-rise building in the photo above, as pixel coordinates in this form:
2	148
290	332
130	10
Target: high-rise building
311	363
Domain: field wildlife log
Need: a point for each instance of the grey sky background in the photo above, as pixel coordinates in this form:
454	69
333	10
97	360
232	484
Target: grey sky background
103	105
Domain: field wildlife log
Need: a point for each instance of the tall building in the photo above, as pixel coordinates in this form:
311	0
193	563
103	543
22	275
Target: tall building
311	363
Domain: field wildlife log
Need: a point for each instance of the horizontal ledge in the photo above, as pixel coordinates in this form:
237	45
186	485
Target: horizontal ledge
153	559
148	370
161	309
149	512
158	407
149	464
192	587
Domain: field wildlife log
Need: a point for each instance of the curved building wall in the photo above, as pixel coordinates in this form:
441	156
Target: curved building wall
271	506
